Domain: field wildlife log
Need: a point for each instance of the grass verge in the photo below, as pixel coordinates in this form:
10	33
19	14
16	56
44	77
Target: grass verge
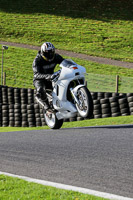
84	123
14	189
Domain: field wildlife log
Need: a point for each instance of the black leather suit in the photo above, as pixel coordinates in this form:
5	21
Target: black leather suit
43	70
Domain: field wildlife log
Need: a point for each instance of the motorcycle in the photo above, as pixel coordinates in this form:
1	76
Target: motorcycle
69	95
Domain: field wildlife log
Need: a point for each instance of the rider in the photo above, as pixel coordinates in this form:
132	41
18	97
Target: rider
43	69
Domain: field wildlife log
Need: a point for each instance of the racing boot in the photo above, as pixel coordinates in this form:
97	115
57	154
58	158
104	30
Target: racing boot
43	103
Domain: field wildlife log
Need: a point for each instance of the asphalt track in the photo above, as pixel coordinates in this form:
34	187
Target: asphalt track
97	158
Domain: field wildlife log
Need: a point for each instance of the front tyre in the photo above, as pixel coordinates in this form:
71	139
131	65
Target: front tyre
85	107
52	121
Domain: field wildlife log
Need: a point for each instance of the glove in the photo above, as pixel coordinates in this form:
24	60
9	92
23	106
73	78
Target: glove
55	75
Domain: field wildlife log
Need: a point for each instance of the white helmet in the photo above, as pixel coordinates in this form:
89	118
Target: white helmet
48	51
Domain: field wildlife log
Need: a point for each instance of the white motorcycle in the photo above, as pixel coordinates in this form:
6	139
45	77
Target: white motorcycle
69	96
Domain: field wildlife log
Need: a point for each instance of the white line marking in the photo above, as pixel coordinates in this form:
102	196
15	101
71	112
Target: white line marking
69	187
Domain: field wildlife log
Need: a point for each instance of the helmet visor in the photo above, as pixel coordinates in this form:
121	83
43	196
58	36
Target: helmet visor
49	55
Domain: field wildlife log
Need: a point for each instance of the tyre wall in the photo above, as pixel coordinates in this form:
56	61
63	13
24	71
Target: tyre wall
19	109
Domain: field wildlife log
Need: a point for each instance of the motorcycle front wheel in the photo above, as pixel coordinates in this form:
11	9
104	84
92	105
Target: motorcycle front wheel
85	106
52	121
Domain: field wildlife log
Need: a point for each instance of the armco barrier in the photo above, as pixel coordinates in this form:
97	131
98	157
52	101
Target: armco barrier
19	109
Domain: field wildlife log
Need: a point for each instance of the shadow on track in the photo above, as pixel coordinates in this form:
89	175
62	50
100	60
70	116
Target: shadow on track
106	127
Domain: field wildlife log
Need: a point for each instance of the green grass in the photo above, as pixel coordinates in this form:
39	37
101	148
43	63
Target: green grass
100	28
84	123
101	77
14	189
104	83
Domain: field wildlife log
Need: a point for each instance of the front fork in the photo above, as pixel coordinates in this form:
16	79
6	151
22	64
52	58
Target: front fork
74	92
74	96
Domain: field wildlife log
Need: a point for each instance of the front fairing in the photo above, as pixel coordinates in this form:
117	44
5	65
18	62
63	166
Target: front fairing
71	70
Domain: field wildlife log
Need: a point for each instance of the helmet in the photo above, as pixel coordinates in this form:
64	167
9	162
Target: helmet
48	51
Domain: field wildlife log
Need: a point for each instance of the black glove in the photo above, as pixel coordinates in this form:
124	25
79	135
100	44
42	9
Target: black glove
52	76
55	75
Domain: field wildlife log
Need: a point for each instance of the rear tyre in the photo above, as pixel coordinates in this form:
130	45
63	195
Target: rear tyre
52	121
85	107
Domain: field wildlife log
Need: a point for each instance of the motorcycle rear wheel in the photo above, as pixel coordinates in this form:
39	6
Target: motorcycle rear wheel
85	108
52	121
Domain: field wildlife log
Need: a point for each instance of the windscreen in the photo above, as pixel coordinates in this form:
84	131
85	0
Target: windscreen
68	63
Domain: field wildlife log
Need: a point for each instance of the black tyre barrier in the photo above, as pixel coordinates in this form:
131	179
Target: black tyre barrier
97	113
19	109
